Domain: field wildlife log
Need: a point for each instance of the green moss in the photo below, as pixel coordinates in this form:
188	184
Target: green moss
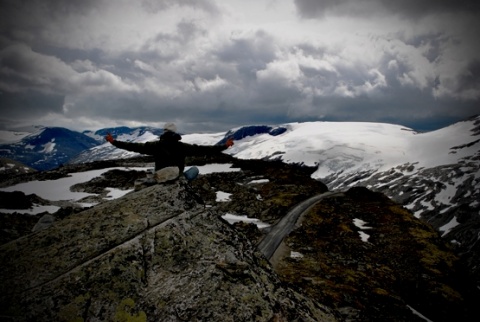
432	257
345	228
250	297
380	291
161	304
283	199
398	210
126	313
448	293
72	311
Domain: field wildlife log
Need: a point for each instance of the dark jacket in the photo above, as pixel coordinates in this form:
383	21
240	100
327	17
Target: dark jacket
169	151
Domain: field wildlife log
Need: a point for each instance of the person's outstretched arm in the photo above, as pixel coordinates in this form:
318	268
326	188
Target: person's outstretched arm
143	148
194	149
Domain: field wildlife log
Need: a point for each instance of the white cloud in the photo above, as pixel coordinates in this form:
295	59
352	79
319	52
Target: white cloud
280	71
210	84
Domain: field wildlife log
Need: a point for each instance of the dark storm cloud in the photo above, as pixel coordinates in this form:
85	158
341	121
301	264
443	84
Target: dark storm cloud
23	19
24	69
469	81
406	8
418	8
29	104
205	62
433	42
248	54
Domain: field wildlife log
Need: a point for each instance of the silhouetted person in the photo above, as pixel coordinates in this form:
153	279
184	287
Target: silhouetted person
169	152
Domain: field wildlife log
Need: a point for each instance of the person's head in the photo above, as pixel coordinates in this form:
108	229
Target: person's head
169	127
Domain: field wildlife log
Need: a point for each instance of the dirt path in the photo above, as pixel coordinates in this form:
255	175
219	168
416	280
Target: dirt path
273	240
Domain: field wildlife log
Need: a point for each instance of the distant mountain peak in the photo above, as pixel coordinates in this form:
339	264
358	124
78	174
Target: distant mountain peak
47	148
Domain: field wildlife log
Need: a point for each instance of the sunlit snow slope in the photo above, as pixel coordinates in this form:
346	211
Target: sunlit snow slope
434	174
352	147
427	172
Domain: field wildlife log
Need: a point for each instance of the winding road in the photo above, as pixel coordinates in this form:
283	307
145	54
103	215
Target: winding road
281	229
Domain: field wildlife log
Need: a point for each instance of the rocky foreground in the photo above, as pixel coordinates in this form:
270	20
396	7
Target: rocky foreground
165	254
154	255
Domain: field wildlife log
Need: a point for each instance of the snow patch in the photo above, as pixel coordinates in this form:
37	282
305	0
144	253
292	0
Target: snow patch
296	255
231	219
7	137
418	314
359	223
217	167
223	196
259	181
49	147
363	236
59	189
114	193
449	226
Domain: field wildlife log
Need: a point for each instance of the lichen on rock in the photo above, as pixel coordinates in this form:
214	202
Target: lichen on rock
152	255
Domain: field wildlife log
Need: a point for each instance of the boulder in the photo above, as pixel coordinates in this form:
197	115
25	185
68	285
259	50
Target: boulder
43	223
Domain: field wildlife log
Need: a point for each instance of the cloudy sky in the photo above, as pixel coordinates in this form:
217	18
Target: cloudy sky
211	65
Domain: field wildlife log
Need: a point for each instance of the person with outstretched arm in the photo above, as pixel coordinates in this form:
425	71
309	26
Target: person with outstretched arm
169	153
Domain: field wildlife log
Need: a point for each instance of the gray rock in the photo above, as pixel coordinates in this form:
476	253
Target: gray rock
43	223
152	255
166	174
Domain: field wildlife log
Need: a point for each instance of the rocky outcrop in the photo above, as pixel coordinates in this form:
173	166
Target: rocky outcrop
152	255
9	168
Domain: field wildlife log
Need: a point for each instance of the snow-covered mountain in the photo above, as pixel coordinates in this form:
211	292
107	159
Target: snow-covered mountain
339	150
427	172
349	148
125	131
106	151
45	149
435	174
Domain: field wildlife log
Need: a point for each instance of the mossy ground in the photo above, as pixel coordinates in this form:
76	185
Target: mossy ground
404	262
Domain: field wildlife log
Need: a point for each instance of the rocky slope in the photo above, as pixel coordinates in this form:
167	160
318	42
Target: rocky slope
447	197
153	255
9	168
165	253
372	260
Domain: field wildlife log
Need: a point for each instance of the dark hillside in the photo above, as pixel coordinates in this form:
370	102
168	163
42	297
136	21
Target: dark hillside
403	265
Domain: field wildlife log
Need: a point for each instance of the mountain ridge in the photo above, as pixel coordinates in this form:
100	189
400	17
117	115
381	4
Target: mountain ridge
434	174
47	148
143	134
